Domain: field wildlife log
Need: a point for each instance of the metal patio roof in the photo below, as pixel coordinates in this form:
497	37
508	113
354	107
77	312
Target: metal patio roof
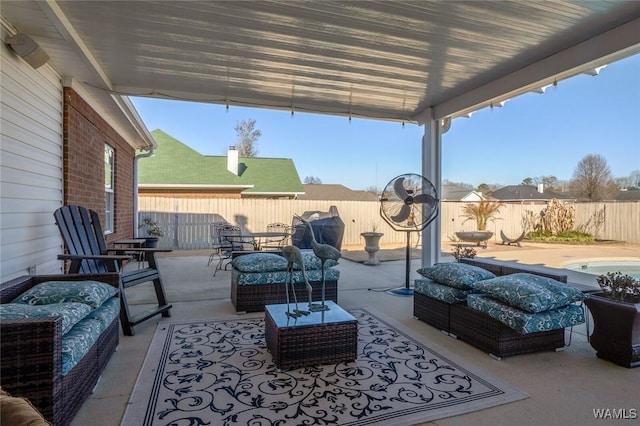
389	60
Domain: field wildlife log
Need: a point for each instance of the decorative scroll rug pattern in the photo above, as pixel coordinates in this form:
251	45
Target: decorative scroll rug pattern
219	372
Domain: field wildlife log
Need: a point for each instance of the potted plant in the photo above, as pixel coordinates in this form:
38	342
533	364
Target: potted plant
616	319
372	244
153	231
481	212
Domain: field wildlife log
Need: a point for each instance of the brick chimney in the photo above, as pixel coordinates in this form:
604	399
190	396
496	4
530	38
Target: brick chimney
232	160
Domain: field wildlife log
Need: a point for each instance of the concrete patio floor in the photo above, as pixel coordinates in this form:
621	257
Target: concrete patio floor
564	388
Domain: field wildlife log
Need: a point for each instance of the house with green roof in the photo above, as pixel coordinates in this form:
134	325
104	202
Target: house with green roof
176	170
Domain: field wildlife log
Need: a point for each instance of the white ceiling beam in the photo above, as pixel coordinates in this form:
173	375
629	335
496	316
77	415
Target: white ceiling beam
59	20
615	44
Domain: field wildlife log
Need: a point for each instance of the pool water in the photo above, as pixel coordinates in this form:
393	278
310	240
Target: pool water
599	268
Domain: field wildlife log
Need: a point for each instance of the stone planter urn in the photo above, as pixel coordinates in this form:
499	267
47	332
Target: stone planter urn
372	246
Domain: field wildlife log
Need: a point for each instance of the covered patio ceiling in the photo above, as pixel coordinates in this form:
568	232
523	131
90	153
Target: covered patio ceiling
388	60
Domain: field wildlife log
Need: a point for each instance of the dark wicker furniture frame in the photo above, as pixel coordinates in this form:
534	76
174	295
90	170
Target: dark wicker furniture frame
479	329
254	297
31	355
299	346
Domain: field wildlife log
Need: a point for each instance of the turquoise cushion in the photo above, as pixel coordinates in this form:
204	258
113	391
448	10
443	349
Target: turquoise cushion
77	342
531	293
92	293
440	292
259	262
106	313
454	274
71	313
278	277
270	262
527	322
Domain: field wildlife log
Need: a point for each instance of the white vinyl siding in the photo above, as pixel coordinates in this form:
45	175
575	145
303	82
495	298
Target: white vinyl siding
30	167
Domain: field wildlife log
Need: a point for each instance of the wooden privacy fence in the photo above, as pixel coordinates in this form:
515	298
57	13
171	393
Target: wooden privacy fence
185	221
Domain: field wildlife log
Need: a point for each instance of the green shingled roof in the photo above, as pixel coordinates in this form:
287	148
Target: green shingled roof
175	163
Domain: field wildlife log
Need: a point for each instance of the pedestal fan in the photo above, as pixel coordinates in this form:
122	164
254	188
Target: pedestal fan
408	204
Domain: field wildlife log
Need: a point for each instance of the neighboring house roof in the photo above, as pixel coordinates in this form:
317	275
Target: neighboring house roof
318	191
525	193
175	165
628	195
459	193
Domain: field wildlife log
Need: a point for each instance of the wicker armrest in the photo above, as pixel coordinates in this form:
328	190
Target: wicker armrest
9	290
31	355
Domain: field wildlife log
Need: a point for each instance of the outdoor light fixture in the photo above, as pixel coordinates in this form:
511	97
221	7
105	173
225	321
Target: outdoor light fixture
594	71
542	89
28	50
498	104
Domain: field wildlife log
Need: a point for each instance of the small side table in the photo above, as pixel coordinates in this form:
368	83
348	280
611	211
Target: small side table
133	244
326	337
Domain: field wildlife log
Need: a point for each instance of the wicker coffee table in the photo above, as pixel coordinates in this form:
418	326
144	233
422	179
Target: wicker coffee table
328	337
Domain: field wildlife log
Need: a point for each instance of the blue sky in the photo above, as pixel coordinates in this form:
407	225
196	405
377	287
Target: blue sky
531	136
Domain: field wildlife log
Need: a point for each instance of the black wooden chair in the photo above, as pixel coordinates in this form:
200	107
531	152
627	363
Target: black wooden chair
88	254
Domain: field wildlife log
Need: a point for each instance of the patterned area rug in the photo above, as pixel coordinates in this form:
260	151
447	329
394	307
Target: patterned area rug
219	372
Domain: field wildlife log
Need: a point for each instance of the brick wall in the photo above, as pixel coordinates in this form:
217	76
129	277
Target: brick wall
85	134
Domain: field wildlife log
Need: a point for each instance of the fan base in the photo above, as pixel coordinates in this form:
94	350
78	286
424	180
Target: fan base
402	291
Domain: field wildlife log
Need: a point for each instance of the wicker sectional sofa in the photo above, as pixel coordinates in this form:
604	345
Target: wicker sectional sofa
491	324
53	352
258	279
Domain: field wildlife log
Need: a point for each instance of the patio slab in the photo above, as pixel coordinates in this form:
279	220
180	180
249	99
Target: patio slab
564	387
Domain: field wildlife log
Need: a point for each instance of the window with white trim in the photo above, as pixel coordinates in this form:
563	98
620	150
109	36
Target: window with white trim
109	198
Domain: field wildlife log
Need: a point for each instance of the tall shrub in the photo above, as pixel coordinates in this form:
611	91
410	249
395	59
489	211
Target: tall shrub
557	217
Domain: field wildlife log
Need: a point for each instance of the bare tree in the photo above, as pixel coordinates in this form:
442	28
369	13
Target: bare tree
460	184
312	179
634	179
373	190
550	182
629	182
592	180
248	135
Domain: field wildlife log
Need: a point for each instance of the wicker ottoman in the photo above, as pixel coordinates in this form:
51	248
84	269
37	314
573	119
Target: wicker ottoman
328	337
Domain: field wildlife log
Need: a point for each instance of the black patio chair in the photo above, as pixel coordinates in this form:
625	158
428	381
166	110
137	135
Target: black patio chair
276	242
226	238
88	254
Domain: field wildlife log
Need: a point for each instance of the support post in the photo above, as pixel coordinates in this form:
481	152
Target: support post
432	170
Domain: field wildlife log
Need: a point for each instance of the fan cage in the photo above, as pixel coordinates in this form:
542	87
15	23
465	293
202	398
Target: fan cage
409	205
